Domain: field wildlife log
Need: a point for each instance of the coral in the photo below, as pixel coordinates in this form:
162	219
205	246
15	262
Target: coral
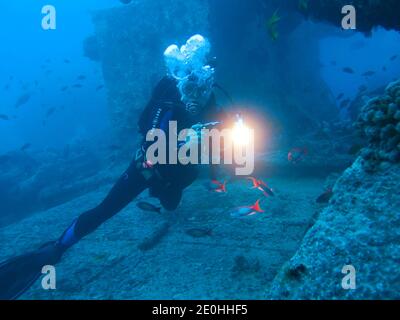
360	227
379	123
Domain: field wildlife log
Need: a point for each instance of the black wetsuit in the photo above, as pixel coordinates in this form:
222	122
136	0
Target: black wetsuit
166	182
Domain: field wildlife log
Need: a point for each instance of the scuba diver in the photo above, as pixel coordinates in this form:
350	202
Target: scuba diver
186	96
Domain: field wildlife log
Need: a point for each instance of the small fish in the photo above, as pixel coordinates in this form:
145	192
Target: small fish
67	61
384	68
325	197
4	117
81	77
25	86
274	34
368	73
268	192
296	155
393	57
262	186
303	5
275	18
125	1
340	96
65	88
272	26
247	211
78	86
199	232
114	147
22	100
362	88
145	206
218	187
50	112
25	147
348	70
256	183
344	103
100	87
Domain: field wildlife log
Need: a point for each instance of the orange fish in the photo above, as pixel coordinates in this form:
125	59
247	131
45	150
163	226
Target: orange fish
256	183
219	186
247	211
262	186
295	155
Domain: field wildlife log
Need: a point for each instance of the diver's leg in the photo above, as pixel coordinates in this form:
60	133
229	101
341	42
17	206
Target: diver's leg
19	273
129	186
170	198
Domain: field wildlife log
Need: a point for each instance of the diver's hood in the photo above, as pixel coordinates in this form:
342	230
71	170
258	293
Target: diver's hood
188	65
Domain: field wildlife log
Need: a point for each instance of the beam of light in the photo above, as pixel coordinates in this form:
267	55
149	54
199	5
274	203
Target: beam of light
240	133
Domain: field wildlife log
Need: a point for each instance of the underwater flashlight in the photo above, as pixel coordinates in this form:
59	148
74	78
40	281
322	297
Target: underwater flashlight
240	132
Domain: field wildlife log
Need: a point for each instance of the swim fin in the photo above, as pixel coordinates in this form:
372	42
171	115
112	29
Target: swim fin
18	274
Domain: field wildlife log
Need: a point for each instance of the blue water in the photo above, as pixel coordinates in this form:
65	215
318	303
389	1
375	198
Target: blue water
25	49
63	149
363	53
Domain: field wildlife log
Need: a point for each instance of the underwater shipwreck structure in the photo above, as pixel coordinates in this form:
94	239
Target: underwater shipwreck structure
293	256
129	49
360	225
130	56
